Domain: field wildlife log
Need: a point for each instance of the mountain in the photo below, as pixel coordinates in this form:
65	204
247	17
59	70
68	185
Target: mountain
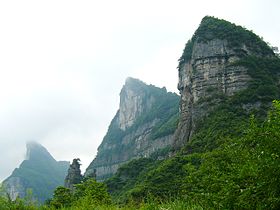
40	172
220	151
226	146
226	68
142	127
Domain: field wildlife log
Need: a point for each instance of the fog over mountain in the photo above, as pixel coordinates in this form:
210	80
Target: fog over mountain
63	63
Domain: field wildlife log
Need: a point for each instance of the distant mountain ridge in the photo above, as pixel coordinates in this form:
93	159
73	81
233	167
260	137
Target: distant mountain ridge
143	126
40	173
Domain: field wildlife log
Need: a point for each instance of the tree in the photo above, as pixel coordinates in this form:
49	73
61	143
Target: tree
62	197
91	193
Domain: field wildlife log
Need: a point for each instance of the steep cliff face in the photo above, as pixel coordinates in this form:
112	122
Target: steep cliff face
226	73
138	128
40	172
74	175
210	69
133	101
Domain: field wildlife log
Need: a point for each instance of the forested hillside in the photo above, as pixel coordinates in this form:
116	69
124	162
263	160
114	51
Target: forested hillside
37	176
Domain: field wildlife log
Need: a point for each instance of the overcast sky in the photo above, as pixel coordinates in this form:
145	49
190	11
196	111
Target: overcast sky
63	63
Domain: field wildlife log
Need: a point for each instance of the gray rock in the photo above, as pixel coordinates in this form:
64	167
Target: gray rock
74	175
131	139
210	72
15	187
133	101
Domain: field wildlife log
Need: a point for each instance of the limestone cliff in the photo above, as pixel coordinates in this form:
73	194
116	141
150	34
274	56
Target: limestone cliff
144	125
133	102
74	175
210	69
40	173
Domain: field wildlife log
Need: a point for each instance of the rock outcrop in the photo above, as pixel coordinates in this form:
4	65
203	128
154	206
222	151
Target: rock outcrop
208	68
15	187
138	128
133	102
40	173
74	175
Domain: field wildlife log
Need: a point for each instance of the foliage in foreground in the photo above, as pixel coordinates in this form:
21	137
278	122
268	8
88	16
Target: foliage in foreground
21	204
241	173
87	194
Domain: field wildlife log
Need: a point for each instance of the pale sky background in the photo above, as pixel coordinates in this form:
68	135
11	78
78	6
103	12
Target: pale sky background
63	63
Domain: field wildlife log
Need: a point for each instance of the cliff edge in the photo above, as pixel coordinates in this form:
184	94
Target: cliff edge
211	70
143	126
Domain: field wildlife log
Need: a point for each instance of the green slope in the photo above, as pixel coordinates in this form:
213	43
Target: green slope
163	112
40	173
231	162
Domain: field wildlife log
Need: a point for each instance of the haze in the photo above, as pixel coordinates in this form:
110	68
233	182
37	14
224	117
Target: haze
63	63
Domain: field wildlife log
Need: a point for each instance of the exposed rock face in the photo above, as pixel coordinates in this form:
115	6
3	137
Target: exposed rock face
40	172
205	72
133	102
74	175
210	68
15	187
134	131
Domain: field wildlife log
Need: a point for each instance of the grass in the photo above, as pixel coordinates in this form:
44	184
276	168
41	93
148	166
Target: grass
149	205
152	205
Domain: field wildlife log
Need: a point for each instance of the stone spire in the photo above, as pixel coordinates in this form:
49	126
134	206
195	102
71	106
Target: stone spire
74	175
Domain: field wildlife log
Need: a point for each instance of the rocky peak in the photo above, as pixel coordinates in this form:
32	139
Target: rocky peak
74	175
35	151
134	99
207	69
39	172
142	127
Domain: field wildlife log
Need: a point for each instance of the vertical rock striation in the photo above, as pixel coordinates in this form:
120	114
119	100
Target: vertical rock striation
133	101
137	128
207	70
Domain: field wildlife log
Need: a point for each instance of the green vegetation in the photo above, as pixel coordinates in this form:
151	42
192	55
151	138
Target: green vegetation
41	173
165	108
213	28
230	118
242	173
128	176
220	167
164	113
265	86
86	195
232	161
167	127
43	180
151	205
